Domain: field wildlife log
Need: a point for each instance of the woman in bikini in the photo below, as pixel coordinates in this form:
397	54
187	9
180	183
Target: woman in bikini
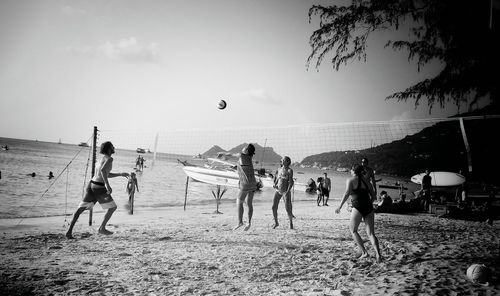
283	185
362	197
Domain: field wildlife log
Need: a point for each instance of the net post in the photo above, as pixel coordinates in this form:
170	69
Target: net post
186	193
466	142
154	152
94	148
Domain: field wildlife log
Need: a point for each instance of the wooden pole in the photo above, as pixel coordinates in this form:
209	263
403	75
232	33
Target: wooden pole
131	201
94	148
186	193
154	152
466	143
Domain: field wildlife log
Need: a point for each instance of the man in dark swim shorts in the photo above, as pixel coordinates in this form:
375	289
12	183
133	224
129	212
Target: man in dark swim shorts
99	190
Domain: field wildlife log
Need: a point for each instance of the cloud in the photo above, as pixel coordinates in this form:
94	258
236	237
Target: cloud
72	11
259	95
127	49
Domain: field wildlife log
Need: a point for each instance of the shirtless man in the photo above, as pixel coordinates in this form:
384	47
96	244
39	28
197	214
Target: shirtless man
99	190
247	182
327	187
369	174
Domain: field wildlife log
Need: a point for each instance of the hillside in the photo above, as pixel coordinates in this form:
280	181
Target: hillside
439	147
212	152
267	155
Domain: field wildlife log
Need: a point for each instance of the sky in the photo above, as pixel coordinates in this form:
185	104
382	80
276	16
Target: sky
161	65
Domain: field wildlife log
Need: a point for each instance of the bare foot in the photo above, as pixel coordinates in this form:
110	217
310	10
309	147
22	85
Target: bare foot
247	227
291	225
105	231
275	225
239	225
362	255
69	235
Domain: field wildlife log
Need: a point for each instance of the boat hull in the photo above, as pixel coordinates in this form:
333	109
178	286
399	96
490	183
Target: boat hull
216	177
227	178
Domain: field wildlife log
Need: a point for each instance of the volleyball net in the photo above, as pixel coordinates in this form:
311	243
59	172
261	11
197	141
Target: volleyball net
462	144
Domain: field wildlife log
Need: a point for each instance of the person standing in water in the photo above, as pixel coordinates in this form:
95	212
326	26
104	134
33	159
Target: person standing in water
362	197
99	190
283	184
247	182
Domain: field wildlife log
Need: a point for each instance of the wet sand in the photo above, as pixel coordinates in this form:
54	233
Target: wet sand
169	251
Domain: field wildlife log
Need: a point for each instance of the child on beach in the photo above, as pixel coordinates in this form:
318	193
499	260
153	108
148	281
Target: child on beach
132	185
321	196
283	185
247	182
99	190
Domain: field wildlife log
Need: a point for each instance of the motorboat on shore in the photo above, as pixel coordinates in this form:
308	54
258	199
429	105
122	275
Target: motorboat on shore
83	144
219	172
140	150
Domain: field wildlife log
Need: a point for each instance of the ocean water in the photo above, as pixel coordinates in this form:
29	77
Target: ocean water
161	185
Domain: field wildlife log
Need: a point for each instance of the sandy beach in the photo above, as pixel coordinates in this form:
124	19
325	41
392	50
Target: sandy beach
170	251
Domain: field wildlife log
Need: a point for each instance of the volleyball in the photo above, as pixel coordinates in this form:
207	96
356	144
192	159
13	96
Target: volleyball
479	273
222	105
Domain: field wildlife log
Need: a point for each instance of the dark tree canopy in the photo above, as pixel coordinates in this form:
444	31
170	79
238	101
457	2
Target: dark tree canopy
457	33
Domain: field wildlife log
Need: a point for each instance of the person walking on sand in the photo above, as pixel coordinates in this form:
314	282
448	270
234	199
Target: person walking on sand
327	187
283	184
247	182
362	197
99	190
369	174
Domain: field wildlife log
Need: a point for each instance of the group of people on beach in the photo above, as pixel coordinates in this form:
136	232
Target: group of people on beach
283	183
361	188
323	189
139	163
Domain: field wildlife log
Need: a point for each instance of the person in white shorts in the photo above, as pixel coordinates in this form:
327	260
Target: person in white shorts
99	190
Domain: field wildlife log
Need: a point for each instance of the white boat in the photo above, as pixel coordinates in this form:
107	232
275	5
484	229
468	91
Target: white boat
140	150
218	172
